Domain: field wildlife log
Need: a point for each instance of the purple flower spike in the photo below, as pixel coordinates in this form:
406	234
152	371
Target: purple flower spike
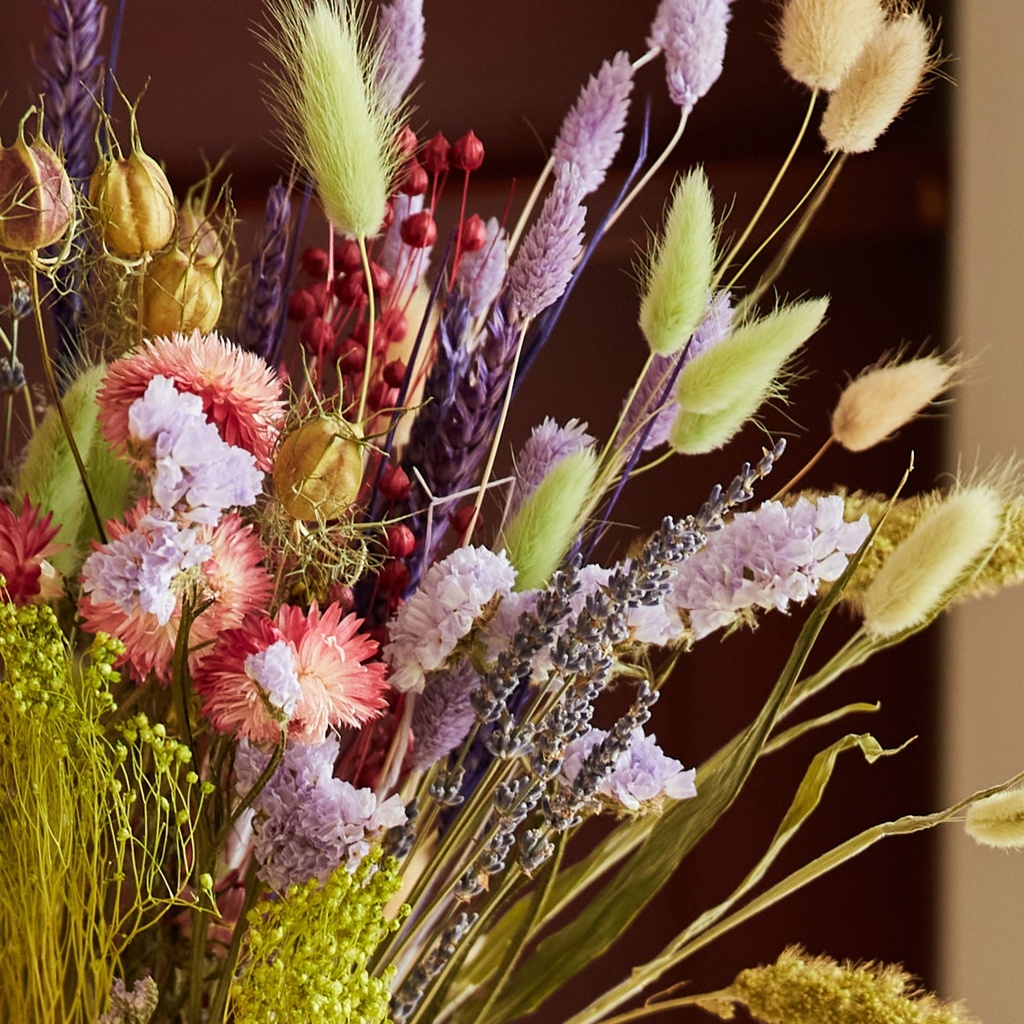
692	35
592	131
401	31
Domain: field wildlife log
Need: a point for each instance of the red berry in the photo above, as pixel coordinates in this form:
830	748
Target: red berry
393	577
317	336
407	141
473	235
419	230
394	373
392	324
351	356
389	216
414	179
460	519
401	541
302	305
382	396
468	153
314	262
380	279
351	289
435	154
394	483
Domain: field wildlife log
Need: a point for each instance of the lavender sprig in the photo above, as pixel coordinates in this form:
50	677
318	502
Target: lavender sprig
262	307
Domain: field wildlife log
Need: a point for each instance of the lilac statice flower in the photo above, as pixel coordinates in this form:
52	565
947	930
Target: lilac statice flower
591	133
482	273
131	1007
273	670
651	401
307	822
401	33
692	35
766	559
195	472
404	263
546	446
544	264
643	774
451	596
136	571
443	714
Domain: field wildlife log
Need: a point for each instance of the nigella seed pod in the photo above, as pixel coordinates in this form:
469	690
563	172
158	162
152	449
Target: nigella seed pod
436	154
134	203
36	197
468	153
196	234
319	468
181	293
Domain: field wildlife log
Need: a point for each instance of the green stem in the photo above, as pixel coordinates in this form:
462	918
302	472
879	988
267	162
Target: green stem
219	1002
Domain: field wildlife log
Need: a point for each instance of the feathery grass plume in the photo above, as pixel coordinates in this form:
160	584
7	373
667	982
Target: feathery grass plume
401	32
919	575
801	989
549	520
334	116
819	40
886	397
883	80
326	934
678	275
998	820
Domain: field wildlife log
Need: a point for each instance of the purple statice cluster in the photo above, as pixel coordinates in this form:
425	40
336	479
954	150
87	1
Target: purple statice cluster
643	775
692	36
451	597
307	823
195	473
766	559
274	671
546	446
138	569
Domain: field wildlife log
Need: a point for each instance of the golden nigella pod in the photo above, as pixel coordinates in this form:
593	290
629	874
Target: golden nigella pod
134	204
319	468
181	294
36	197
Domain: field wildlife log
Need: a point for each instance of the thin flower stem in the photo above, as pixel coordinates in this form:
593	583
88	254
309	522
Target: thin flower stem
370	314
808	466
752	223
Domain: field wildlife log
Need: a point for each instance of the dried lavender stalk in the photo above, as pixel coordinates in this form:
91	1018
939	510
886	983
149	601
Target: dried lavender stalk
262	309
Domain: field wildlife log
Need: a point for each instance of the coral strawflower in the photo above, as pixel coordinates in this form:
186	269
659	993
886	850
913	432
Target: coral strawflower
240	393
26	541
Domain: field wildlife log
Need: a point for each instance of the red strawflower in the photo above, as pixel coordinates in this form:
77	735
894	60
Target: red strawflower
25	544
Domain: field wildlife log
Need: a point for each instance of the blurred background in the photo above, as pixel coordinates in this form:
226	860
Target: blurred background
920	243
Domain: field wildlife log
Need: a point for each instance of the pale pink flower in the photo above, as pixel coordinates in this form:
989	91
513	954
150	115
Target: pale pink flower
329	659
231	578
240	393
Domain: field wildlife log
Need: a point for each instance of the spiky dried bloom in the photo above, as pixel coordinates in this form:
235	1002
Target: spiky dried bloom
334	116
240	393
886	397
884	79
262	308
26	542
998	820
918	577
820	39
678	273
692	34
401	32
801	989
591	133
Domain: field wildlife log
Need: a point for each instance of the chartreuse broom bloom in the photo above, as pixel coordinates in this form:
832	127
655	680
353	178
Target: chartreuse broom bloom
801	989
722	388
304	957
678	278
333	115
550	519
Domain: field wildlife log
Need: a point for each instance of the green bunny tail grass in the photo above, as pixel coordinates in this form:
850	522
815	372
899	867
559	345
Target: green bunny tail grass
740	370
550	519
333	116
697	433
679	274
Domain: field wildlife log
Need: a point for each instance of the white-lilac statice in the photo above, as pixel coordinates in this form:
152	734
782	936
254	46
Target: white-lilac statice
401	33
692	35
546	446
308	822
137	569
481	274
273	670
591	133
548	254
451	596
643	774
766	559
194	473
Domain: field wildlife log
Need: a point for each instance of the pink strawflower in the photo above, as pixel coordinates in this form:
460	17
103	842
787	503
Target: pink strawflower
240	393
247	686
135	583
26	541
